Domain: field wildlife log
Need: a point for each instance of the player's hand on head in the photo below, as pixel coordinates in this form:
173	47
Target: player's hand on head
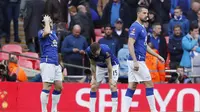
46	18
136	66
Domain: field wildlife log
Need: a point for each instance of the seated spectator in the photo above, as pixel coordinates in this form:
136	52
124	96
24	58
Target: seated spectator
72	50
116	9
109	40
184	5
192	13
175	47
179	19
15	71
119	33
179	76
155	66
122	56
191	49
158	42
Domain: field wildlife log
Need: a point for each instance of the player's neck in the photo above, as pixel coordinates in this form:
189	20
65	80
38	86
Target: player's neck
139	21
155	36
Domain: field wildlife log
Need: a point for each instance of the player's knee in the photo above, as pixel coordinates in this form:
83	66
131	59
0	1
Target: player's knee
132	85
47	86
148	84
94	87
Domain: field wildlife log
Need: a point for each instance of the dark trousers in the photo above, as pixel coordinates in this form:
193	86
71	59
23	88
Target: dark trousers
13	14
73	70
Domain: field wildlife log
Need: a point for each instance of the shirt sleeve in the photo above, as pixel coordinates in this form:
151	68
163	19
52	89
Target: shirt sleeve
40	34
107	51
134	32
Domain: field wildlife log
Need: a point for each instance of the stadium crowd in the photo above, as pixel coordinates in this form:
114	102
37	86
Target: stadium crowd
173	31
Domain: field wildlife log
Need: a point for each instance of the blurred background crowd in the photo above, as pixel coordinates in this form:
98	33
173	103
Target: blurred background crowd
171	31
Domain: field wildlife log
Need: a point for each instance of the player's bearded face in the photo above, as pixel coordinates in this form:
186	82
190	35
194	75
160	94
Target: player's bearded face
144	15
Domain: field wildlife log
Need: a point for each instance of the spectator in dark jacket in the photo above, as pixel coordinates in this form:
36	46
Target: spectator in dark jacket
119	33
109	40
114	10
158	41
31	12
162	9
133	4
179	19
72	49
58	11
192	14
83	19
175	47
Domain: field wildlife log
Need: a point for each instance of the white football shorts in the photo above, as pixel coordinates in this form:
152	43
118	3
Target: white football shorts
141	75
101	72
50	72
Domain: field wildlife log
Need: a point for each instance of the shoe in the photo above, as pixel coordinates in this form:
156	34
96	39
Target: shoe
17	40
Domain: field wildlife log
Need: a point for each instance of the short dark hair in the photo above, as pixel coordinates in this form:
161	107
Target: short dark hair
178	7
178	66
94	47
156	24
108	25
139	9
177	26
193	26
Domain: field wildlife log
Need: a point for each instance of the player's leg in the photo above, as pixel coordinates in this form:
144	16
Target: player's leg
57	90
149	88
44	96
47	73
113	87
94	87
132	85
150	95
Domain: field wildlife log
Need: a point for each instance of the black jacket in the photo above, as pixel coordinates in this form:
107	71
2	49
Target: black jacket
57	11
124	14
162	9
175	48
122	39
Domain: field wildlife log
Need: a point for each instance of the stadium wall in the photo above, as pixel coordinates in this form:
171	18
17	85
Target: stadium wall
25	97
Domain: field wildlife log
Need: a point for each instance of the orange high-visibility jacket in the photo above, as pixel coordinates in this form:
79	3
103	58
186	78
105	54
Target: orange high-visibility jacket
21	75
156	67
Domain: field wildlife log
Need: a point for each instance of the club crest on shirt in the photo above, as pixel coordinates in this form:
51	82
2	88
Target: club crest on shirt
133	31
54	43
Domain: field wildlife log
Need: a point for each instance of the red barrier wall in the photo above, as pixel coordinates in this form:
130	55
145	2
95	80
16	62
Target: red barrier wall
25	97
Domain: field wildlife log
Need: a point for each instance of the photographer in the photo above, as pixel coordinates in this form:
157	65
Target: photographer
4	73
179	76
15	72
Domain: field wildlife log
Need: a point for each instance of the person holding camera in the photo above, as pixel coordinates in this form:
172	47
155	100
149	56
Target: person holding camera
179	76
15	72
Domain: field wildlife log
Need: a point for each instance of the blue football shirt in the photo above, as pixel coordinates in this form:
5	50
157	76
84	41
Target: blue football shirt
138	32
101	59
49	48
